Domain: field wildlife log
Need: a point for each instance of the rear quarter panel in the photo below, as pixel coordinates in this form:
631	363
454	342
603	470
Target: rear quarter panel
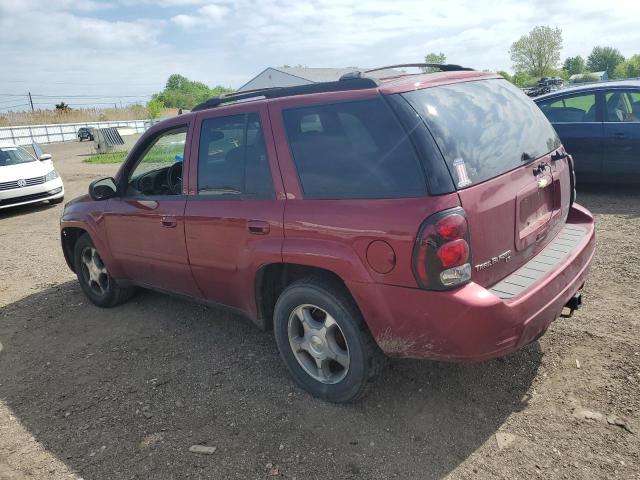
336	234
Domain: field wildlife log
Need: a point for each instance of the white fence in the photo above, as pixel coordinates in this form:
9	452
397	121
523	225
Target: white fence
61	132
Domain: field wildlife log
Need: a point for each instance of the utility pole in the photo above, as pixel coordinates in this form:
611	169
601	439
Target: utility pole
31	102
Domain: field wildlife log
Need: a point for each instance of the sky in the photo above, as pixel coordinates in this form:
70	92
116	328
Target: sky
95	52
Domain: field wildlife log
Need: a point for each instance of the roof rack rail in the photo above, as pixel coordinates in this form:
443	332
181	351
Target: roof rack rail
443	67
277	92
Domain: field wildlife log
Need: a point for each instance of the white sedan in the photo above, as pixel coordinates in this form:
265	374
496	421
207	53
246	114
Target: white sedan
27	179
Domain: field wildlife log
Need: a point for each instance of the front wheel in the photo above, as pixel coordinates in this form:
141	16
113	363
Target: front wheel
324	342
55	201
95	281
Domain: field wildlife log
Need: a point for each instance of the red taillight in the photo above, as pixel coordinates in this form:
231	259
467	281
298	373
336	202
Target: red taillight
442	255
452	227
453	253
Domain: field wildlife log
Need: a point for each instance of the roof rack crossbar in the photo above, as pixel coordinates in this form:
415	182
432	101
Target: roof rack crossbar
276	92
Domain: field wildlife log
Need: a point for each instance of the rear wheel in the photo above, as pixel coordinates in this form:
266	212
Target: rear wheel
95	280
323	341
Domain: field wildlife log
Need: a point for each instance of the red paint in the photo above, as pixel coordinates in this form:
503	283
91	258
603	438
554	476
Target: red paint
381	256
213	248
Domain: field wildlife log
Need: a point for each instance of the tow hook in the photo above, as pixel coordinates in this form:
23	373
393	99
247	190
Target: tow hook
573	304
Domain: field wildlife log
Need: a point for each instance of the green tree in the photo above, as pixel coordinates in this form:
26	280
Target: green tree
180	92
604	58
62	107
505	75
538	52
155	108
628	69
574	65
433	57
523	79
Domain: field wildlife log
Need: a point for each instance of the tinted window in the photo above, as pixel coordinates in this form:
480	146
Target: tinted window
621	106
353	150
574	108
484	128
232	159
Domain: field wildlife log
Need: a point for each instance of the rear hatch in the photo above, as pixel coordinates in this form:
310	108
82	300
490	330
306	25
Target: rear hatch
498	147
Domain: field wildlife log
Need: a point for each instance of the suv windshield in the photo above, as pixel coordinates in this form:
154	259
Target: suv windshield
483	128
14	156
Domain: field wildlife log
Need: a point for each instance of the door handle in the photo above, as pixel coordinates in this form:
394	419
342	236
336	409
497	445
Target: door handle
168	221
619	136
258	227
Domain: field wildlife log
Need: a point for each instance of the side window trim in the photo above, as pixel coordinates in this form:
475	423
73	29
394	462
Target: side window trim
135	155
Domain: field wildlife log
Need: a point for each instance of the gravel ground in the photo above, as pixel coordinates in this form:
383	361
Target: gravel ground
124	393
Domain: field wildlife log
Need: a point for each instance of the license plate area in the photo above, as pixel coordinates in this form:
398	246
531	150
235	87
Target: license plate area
534	209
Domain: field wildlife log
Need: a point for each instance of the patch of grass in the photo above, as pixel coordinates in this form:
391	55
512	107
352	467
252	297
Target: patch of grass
111	157
160	154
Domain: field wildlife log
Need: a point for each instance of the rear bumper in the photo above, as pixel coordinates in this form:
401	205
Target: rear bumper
472	323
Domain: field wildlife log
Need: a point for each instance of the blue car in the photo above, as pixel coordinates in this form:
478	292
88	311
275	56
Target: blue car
599	125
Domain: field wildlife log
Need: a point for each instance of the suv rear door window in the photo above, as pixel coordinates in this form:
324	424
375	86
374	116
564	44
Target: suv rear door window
232	159
353	150
483	128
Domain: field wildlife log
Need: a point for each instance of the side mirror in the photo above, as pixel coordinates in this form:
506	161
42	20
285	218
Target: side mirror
103	189
44	156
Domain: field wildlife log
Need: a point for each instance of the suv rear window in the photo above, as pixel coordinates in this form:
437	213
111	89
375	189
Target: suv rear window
483	128
353	150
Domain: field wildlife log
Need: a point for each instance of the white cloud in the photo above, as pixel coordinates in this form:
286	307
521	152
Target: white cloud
141	42
207	16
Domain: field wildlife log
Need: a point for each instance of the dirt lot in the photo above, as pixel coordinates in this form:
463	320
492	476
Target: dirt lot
124	393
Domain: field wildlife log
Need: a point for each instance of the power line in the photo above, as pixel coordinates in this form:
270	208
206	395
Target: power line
15	106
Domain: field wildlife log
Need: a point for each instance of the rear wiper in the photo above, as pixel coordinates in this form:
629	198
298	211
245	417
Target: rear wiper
558	156
526	157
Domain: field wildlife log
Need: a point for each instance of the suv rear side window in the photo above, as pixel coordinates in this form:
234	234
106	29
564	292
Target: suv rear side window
483	128
232	159
353	150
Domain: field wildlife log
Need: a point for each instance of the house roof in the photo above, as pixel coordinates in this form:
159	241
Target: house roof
332	74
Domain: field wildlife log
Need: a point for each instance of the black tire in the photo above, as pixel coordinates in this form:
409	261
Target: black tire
55	201
365	358
111	294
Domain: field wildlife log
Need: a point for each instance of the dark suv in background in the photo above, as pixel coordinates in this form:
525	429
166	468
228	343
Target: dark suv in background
426	216
85	133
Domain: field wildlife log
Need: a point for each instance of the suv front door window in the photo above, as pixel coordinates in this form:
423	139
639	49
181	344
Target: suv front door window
159	169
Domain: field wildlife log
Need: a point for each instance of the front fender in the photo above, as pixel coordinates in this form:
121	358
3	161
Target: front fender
87	215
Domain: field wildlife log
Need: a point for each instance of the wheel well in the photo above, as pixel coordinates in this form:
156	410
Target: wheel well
273	279
70	236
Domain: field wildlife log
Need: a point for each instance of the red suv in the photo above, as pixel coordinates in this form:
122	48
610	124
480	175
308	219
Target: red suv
425	216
